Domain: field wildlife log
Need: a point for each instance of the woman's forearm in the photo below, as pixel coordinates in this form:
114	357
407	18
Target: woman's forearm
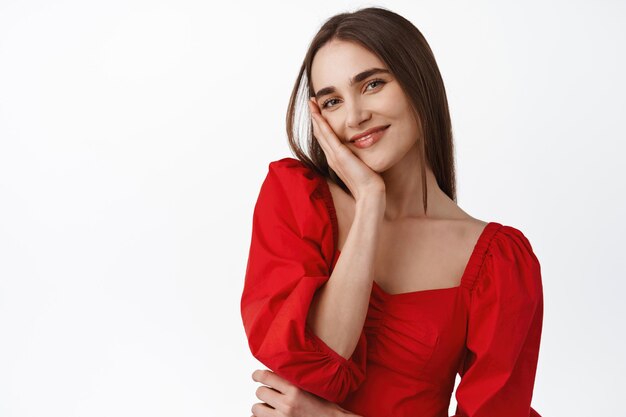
339	308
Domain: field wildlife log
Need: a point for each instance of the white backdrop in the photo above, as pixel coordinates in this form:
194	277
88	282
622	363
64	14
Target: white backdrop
134	136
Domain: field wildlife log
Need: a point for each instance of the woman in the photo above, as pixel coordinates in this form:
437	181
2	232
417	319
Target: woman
367	287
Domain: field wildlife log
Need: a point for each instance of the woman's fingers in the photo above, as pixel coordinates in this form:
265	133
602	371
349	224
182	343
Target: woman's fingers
313	106
323	142
321	139
283	399
272	393
269	396
323	128
269	378
263	410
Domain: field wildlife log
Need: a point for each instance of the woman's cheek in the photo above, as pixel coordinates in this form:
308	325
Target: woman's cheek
332	122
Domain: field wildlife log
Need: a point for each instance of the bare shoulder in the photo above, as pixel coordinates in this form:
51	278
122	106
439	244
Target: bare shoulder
460	227
468	230
474	225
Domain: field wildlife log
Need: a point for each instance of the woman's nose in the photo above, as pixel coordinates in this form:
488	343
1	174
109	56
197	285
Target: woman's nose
356	115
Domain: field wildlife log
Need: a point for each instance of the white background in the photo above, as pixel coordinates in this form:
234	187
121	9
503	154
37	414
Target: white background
134	136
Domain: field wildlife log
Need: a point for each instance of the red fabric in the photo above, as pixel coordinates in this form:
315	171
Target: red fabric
487	329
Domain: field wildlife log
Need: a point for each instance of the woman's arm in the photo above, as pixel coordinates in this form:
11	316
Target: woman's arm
503	331
291	254
339	308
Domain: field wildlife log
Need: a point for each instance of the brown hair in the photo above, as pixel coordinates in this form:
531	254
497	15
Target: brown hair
403	48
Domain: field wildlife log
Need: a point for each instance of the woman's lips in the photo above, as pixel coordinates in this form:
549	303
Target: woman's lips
369	140
369	131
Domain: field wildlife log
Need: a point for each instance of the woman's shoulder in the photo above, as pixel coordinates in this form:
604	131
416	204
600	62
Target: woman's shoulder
293	194
291	183
510	260
296	180
509	240
293	172
510	272
293	167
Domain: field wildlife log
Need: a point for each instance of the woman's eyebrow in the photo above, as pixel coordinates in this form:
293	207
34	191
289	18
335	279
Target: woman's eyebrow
357	78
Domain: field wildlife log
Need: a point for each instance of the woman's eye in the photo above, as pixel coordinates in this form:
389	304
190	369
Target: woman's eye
374	82
325	104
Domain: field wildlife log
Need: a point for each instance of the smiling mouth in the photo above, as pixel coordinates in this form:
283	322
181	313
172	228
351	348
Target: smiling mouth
366	137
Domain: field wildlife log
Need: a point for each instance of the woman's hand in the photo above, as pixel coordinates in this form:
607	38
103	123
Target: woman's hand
283	399
357	176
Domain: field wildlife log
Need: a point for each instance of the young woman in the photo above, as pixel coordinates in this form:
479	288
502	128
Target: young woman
367	287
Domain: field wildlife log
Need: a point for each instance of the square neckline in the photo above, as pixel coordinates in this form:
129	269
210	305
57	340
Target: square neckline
476	252
469	272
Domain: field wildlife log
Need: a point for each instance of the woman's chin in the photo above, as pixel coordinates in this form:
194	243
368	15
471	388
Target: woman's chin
375	163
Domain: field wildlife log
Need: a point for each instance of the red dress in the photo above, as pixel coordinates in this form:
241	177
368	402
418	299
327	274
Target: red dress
488	329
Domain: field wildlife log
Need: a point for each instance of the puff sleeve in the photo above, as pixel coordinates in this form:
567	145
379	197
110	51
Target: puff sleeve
504	331
290	257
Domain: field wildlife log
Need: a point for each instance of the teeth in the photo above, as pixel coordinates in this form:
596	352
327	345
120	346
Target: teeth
364	138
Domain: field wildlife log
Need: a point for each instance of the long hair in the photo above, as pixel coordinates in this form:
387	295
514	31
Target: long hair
403	48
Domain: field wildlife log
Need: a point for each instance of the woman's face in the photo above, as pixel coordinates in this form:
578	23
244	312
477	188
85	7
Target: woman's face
375	100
